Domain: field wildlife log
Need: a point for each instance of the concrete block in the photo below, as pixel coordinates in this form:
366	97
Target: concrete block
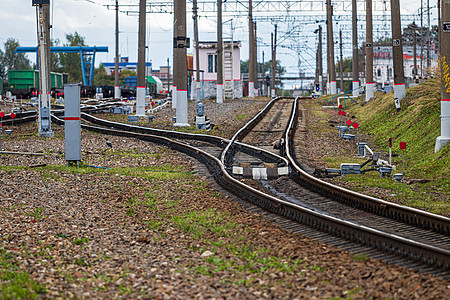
238	170
259	173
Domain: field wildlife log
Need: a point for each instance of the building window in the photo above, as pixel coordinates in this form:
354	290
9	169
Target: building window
390	72
215	63
379	72
212	63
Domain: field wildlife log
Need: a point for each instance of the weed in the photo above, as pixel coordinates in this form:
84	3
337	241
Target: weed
37	213
80	262
16	284
360	256
125	290
153	224
151	200
81	241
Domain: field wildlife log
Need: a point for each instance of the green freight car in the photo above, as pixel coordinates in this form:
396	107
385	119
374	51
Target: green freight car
25	83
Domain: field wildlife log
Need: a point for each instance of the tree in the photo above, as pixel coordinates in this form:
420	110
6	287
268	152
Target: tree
2	66
101	78
12	61
279	69
71	62
55	59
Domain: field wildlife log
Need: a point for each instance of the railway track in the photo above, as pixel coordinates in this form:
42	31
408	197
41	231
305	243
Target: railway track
402	231
389	227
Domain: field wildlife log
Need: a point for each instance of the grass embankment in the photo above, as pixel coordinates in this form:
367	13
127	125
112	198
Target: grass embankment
417	124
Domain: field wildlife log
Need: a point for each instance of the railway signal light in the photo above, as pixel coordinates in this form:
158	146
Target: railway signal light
317	87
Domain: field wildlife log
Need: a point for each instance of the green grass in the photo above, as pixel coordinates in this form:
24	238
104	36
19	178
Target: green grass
240	257
198	223
159	172
37	213
81	241
361	257
417	124
14	283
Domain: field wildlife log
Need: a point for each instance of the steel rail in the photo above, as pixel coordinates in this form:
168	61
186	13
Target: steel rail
248	149
227	153
397	212
430	255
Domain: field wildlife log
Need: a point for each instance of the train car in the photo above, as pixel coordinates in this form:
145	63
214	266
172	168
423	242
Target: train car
153	85
25	83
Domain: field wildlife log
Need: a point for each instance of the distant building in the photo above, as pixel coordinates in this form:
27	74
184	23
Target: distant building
208	65
124	64
383	65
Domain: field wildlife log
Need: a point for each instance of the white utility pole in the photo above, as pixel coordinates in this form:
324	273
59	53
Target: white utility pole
44	120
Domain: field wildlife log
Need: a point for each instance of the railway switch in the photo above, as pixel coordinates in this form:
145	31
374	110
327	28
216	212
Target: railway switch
350	168
362	149
342	129
347	136
385	172
117	110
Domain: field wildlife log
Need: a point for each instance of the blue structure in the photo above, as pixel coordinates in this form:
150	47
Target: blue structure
87	55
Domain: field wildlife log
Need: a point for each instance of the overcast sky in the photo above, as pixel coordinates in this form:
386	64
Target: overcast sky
96	23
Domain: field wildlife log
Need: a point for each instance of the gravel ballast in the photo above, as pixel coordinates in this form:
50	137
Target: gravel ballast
139	223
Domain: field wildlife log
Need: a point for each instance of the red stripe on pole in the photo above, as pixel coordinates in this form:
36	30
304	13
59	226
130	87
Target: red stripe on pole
181	90
72	118
369	82
140	87
399	83
220	84
332	81
353	81
445	99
